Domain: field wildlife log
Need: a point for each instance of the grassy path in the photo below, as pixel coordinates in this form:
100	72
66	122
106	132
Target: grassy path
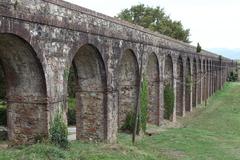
209	133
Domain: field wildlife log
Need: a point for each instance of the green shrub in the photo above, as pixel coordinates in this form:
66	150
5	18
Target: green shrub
59	132
71	115
129	122
199	48
144	104
233	76
3	114
168	101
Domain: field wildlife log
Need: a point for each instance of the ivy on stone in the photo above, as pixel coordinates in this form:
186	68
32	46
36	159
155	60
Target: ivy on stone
144	104
168	101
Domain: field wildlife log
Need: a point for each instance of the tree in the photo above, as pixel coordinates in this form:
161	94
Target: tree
155	19
199	48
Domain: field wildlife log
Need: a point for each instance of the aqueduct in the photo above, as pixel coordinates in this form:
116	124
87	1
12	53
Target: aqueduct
41	39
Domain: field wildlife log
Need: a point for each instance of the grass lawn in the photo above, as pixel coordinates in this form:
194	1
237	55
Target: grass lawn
209	133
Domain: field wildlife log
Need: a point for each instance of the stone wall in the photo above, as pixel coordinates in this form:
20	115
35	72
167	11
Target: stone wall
41	39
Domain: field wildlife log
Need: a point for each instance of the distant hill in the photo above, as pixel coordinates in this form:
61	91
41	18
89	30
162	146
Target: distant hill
229	53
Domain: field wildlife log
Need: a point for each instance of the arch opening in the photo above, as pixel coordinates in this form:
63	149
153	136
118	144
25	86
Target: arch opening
3	106
26	96
179	89
168	82
87	84
188	80
127	86
194	84
199	84
153	90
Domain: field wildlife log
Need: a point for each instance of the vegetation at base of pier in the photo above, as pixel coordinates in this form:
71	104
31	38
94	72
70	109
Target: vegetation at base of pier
233	76
144	104
168	101
155	19
128	124
210	132
58	132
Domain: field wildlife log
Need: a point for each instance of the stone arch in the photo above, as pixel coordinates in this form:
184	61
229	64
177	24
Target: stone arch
26	91
199	79
153	87
188	79
179	89
194	83
91	86
128	77
168	74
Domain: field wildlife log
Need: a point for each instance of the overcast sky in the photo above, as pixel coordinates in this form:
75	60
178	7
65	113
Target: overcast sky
215	24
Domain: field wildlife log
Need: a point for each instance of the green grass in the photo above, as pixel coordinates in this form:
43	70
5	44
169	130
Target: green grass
209	133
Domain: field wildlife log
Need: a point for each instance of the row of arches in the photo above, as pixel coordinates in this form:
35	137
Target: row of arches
27	98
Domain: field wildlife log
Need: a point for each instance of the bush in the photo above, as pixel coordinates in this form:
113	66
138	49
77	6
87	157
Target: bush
199	48
59	132
168	101
129	122
3	114
144	104
71	115
233	76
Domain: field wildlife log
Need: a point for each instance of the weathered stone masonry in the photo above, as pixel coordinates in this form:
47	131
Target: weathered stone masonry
41	39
